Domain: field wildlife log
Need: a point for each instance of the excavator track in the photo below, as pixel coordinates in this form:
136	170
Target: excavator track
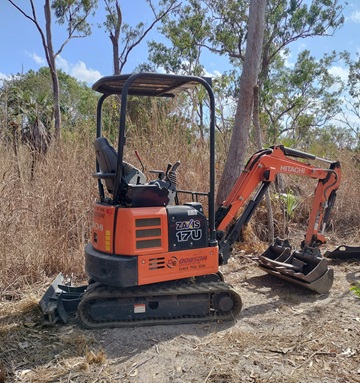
159	304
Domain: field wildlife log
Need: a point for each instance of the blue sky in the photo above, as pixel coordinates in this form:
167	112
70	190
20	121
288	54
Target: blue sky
90	58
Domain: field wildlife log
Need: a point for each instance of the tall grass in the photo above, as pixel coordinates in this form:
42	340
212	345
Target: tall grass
45	222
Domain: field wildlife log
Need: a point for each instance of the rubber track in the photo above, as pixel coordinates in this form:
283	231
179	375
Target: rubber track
106	292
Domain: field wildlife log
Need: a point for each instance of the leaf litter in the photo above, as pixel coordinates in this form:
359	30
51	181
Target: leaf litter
283	334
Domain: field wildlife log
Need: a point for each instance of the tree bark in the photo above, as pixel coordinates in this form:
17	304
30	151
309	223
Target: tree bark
114	37
257	128
240	136
48	47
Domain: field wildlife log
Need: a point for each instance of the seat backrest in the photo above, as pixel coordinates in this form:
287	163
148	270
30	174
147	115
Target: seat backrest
106	156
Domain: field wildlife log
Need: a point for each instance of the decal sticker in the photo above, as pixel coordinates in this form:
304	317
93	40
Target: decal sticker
191	224
172	262
188	230
107	240
139	308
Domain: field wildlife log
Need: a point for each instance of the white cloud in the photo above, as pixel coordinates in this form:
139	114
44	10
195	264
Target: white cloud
82	73
78	70
355	16
62	64
215	73
3	77
340	72
287	57
301	47
39	60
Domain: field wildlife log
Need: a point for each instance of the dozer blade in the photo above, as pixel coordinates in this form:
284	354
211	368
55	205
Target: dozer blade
344	252
307	268
60	300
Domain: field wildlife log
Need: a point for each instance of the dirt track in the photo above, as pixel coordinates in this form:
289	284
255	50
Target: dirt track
283	334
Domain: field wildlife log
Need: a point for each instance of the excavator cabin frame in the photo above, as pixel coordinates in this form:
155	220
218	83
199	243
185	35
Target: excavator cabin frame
139	203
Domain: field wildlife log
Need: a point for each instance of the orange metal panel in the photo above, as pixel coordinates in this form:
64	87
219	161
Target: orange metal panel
177	264
102	227
141	231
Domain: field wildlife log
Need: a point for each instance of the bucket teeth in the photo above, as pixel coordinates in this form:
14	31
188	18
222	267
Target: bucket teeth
307	268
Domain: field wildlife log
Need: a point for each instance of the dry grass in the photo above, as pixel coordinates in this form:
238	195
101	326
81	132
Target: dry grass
45	222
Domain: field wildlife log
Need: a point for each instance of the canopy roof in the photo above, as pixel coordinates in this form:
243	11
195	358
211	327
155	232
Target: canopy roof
148	84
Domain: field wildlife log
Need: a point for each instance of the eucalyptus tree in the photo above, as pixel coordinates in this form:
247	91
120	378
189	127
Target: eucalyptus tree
124	38
300	99
244	111
73	15
222	28
27	109
349	116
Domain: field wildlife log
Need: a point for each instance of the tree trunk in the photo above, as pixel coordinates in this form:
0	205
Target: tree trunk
114	37
257	127
240	136
50	56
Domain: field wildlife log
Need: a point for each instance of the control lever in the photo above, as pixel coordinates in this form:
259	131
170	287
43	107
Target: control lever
167	169
176	165
161	174
138	157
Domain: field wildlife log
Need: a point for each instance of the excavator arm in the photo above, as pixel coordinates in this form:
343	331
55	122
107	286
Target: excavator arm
259	173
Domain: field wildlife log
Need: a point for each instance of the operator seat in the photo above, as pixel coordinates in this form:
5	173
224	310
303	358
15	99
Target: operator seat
107	156
135	192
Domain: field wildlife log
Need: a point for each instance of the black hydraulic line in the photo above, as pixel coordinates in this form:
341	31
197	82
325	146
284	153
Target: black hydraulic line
225	245
247	214
297	153
329	207
222	211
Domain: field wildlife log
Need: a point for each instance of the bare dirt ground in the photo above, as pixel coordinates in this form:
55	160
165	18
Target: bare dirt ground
283	334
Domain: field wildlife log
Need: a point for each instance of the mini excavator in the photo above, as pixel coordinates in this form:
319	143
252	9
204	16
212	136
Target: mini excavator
153	260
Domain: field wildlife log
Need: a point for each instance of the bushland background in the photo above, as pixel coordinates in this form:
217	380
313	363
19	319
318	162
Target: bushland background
283	333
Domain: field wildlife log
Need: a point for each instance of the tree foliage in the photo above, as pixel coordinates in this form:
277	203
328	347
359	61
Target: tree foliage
28	97
73	14
124	37
301	98
293	100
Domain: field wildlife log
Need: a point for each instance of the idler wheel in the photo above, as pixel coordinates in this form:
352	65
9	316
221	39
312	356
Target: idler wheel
223	302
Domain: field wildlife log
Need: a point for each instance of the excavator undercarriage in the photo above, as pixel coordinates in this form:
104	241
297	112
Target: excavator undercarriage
195	300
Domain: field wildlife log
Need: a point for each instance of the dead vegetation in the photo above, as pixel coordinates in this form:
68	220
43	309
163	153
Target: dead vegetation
283	334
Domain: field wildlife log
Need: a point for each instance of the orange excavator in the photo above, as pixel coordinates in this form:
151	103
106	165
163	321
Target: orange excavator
153	260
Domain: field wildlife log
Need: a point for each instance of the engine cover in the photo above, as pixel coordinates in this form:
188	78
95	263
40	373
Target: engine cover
187	227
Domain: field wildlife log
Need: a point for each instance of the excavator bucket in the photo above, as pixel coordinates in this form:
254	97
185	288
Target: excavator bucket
344	252
60	300
306	268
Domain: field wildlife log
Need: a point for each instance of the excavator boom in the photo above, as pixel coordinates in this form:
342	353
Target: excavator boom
307	267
